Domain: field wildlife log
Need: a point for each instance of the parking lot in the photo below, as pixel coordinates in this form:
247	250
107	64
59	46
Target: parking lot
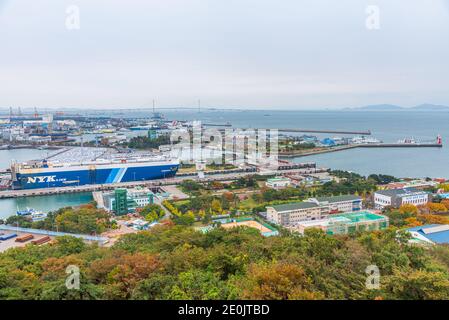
11	243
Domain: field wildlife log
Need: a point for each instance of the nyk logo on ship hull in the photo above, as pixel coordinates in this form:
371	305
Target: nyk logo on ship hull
43	179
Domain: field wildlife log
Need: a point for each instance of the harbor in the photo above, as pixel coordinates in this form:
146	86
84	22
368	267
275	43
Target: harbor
43	203
365	145
208	176
101	149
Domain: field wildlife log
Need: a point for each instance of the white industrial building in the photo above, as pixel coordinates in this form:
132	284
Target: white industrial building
278	183
397	197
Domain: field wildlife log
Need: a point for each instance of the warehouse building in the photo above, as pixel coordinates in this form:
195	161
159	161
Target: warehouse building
430	234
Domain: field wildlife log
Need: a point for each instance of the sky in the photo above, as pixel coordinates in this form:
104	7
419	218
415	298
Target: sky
289	54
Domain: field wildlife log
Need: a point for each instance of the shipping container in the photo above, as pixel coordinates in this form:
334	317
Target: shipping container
25	238
41	240
8	236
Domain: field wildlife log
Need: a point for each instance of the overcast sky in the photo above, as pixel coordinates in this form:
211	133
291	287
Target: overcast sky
228	53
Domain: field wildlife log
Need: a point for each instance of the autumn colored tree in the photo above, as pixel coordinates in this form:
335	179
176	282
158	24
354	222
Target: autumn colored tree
278	281
433	219
152	212
216	206
445	202
416	285
173	261
408	208
436	207
229	196
412	222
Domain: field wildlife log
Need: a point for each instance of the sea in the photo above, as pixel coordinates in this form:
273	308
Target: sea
388	126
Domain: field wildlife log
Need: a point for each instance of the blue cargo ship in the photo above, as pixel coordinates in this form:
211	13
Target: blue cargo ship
46	174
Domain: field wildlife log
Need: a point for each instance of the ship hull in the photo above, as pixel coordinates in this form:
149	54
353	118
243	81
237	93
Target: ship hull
48	178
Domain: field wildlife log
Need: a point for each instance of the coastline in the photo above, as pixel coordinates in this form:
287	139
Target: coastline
297	154
346	147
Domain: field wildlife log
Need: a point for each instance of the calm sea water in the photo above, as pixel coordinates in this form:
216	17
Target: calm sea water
6	156
9	207
387	126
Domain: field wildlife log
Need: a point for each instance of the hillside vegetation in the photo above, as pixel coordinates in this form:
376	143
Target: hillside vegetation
177	262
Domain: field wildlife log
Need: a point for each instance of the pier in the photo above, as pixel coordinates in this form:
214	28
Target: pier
401	145
362	133
361	145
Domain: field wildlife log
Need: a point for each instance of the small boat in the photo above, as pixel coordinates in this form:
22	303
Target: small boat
26	212
38	216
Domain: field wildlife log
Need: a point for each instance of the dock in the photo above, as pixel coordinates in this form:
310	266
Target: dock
361	145
401	145
209	176
361	133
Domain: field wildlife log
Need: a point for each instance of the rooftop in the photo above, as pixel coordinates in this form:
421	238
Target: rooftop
359	216
400	192
278	179
339	198
344	218
437	233
294	206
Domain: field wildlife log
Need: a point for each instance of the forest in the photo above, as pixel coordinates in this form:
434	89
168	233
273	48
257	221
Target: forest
177	262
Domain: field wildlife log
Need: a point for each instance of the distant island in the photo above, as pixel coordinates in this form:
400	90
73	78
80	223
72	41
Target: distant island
392	107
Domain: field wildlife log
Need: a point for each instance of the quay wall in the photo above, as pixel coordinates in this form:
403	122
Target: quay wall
150	183
353	146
